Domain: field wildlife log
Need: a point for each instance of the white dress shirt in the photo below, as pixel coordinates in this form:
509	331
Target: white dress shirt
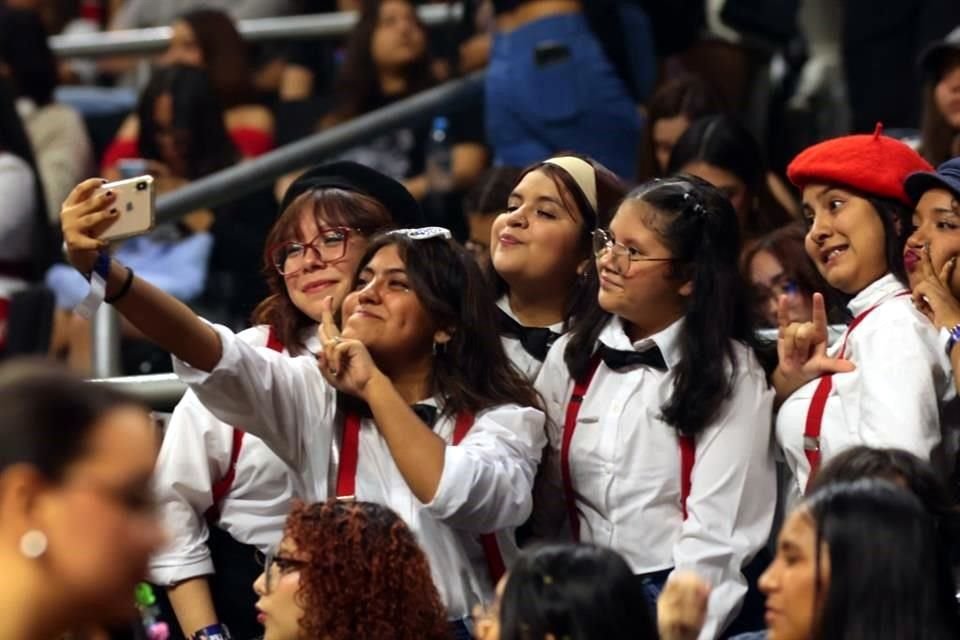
487	479
891	399
626	472
523	361
196	454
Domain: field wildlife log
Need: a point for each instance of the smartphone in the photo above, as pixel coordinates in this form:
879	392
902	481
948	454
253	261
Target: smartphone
548	53
135	200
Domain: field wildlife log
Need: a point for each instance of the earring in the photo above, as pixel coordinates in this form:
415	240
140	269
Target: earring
33	544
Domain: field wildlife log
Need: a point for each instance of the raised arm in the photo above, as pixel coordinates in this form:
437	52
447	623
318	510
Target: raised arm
162	318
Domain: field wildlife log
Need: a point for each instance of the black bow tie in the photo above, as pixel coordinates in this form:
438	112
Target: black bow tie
426	412
617	359
535	340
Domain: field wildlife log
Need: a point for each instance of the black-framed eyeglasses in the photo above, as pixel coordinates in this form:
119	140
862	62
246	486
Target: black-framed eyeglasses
284	564
603	241
329	246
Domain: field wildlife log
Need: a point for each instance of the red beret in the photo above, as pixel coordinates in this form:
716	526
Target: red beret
874	164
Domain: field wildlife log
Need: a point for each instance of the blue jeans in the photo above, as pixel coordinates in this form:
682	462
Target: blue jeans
571	101
459	631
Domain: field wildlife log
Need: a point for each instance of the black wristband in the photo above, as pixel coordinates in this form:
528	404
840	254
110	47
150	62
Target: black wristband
124	288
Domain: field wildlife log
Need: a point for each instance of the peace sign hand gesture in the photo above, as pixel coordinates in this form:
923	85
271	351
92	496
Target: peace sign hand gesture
802	349
346	364
932	296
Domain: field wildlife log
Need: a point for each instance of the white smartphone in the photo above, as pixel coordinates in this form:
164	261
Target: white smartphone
135	201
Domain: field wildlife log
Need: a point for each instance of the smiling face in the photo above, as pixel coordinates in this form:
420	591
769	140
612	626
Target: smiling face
846	238
790	582
385	314
537	241
279	609
316	279
936	222
642	292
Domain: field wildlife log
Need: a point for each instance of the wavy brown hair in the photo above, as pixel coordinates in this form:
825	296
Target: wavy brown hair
365	577
329	207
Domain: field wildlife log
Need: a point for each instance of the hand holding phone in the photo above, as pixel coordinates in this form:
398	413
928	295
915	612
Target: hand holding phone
135	203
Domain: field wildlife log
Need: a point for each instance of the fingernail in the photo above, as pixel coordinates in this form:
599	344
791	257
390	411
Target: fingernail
109	194
114	212
102	181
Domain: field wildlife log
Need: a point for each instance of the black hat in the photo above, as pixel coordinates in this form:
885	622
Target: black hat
351	176
931	60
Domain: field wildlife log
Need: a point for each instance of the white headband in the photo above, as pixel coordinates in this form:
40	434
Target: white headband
582	173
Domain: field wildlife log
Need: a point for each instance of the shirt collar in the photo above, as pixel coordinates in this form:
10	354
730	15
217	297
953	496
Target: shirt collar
876	292
504	304
614	335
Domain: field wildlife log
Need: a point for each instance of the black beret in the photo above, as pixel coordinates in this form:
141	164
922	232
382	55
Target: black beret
352	176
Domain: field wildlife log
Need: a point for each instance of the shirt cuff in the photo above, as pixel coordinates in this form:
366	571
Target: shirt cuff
454	488
166	575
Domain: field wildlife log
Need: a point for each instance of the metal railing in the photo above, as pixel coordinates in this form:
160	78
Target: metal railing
161	391
146	41
248	177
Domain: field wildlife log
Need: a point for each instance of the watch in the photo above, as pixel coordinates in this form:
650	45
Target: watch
952	337
213	632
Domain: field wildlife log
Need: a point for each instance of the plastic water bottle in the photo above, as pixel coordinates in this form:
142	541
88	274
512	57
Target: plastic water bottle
440	157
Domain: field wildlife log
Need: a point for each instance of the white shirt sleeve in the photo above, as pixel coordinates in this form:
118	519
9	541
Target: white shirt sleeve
732	498
16	206
275	397
894	399
196	450
487	479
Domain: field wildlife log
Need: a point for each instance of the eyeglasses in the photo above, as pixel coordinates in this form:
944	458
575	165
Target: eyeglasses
330	246
603	241
781	286
284	565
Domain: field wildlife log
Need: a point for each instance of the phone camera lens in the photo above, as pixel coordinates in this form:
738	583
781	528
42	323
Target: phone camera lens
141	186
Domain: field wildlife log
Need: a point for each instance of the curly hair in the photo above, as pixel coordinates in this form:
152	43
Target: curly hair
366	576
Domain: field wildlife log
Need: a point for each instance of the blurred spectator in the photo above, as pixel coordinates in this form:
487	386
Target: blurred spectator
209	40
777	265
881	42
940	128
483	204
551	87
721	151
388	60
57	133
672	108
311	64
25	246
77	515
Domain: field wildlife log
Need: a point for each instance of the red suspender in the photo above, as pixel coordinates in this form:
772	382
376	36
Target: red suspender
814	422
688	451
349	454
222	487
347	478
580	387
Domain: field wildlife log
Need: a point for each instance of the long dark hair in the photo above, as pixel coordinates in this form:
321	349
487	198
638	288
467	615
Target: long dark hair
226	56
698	224
44	239
937	136
723	142
196	112
24	48
329	206
582	292
686	95
576	592
47	414
889	576
471	372
357	87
